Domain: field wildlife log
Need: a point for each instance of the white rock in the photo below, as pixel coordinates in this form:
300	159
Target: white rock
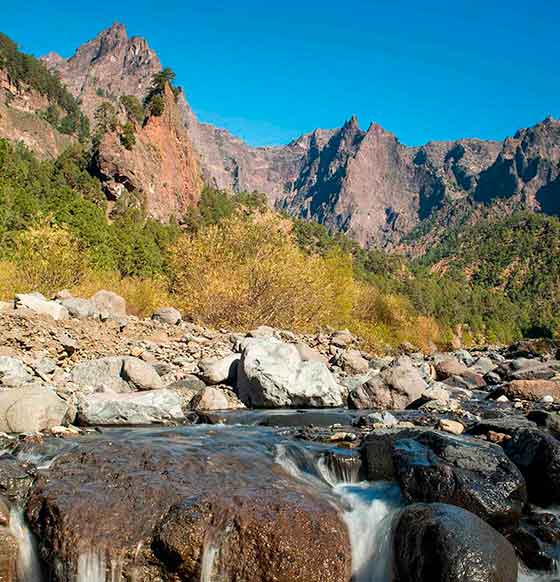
219	370
272	374
40	305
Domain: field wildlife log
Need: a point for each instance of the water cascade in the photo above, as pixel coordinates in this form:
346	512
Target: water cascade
28	564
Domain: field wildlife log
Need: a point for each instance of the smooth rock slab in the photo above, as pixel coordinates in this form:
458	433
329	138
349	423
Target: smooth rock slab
272	374
30	409
138	408
443	543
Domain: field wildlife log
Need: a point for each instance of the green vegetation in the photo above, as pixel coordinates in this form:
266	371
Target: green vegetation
134	109
518	258
22	68
62	193
154	102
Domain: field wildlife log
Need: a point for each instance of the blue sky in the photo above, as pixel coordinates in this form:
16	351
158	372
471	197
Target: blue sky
269	72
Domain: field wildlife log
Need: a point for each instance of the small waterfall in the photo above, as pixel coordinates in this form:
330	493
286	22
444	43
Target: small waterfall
208	557
28	565
92	567
367	507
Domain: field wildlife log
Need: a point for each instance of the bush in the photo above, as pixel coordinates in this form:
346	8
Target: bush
48	258
243	273
127	137
133	108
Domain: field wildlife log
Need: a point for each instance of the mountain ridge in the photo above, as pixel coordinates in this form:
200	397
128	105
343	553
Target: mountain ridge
365	183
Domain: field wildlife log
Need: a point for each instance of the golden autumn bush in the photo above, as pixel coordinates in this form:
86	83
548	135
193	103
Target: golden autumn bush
241	273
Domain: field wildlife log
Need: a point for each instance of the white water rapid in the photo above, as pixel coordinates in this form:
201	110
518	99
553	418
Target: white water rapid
28	565
367	508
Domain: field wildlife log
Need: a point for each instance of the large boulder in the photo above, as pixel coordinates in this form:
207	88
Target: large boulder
528	369
352	362
537	455
395	387
109	303
138	408
40	305
79	308
219	370
272	374
30	408
478	476
448	366
116	374
534	390
179	509
13	372
442	543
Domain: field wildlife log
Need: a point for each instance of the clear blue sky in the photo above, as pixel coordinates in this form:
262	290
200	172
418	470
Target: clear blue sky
270	71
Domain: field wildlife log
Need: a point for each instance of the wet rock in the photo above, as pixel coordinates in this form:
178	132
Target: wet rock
30	409
40	305
211	398
442	543
139	408
8	556
536	540
168	315
506	425
163	504
396	387
142	375
13	372
478	476
272	374
79	308
220	370
546	419
15	480
537	455
377	452
534	390
109	303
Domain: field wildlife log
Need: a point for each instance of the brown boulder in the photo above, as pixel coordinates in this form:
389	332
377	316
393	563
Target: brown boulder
162	504
534	390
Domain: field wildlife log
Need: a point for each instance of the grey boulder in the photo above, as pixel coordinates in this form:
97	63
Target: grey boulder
13	372
219	370
38	304
168	315
30	409
79	308
272	374
139	408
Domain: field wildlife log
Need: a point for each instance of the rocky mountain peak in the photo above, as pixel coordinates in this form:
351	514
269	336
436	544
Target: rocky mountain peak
108	66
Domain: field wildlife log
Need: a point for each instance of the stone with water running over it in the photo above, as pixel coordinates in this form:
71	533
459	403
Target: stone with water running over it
442	543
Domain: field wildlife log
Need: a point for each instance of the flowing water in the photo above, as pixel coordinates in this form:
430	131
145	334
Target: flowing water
367	508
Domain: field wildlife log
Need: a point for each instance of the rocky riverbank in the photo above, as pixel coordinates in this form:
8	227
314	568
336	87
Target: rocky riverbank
277	456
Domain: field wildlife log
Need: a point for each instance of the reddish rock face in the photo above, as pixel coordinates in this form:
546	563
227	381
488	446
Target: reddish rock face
159	506
532	389
161	165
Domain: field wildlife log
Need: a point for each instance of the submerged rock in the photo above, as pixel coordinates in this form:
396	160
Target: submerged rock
443	543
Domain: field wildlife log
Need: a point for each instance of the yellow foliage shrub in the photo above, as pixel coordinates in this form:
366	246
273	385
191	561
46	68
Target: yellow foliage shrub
8	280
46	258
143	296
244	273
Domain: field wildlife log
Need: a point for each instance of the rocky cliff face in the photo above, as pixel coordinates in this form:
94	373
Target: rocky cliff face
20	121
161	165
